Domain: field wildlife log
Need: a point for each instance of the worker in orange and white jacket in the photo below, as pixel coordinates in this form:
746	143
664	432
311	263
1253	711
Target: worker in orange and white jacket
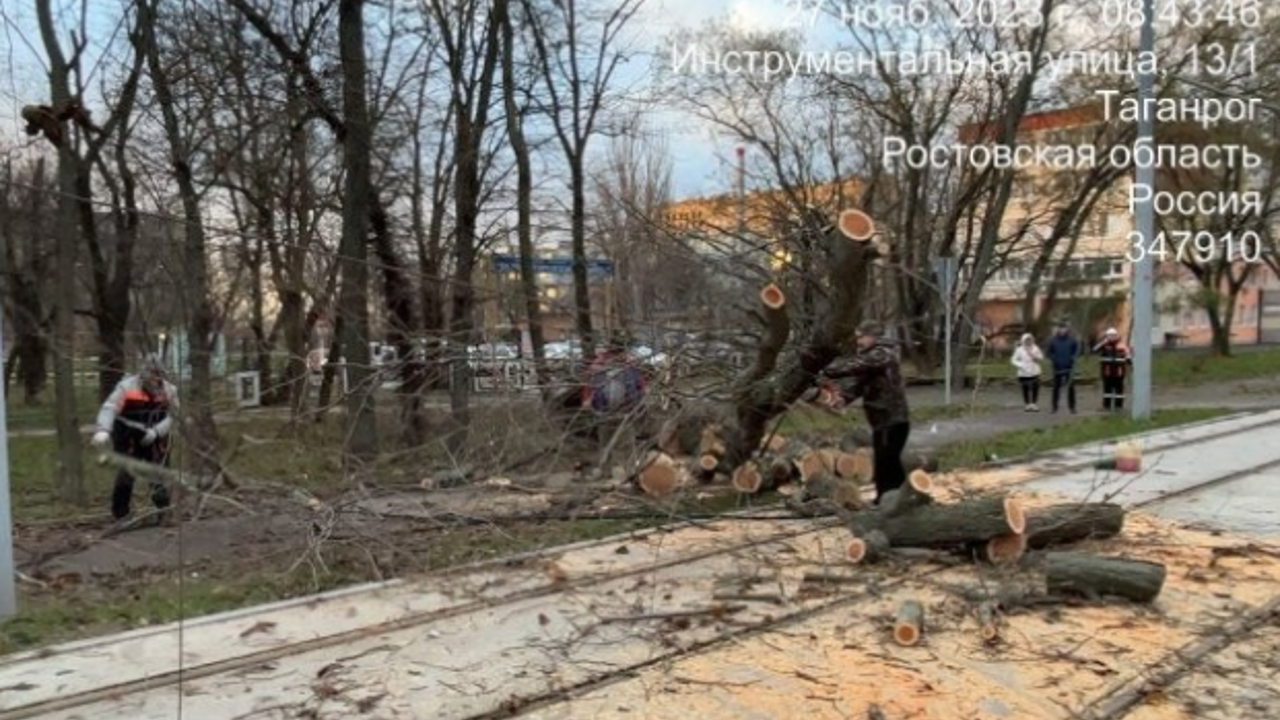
1114	360
136	420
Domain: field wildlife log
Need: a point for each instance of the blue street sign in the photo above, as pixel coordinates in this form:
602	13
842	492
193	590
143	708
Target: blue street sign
555	266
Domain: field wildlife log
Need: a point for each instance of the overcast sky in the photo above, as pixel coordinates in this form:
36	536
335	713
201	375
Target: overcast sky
699	158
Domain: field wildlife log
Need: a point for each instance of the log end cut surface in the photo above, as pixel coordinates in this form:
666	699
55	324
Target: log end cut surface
908	624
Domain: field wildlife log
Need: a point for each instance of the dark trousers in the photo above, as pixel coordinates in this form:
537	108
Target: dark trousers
1030	390
887	443
1113	393
1064	379
127	441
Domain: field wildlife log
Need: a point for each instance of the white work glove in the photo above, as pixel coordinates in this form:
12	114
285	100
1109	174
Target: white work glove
149	437
101	439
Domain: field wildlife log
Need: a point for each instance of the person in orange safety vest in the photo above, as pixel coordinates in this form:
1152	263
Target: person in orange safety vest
136	420
1114	360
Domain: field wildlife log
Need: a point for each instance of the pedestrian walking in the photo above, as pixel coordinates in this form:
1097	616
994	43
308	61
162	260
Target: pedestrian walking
1026	359
1114	362
874	374
1064	348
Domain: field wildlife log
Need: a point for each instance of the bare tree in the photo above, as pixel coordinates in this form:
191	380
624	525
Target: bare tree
517	115
200	429
67	233
579	47
353	300
24	265
470	46
633	190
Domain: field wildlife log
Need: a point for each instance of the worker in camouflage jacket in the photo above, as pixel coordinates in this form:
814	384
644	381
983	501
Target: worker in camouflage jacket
874	375
136	420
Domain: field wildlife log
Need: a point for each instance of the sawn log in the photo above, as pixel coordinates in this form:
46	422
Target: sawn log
1094	577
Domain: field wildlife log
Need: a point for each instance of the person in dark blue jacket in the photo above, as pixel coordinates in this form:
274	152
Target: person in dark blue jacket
1063	350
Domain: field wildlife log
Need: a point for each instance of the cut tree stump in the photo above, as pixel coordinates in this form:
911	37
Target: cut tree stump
749	480
870	548
908	623
1071	523
947	526
1094	577
659	475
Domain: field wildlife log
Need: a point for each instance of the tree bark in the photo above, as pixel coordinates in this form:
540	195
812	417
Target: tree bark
524	197
472	93
908	623
760	396
945	526
1072	522
361	432
70	468
1094	577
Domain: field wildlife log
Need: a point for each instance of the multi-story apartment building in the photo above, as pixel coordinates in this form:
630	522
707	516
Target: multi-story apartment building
1090	276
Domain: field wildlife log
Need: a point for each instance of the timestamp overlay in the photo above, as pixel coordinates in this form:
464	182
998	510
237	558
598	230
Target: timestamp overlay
1051	88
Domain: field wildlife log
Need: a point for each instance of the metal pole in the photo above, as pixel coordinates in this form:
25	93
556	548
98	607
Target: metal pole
947	350
8	597
1144	222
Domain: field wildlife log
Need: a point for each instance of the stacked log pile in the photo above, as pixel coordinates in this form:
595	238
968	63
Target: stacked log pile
998	530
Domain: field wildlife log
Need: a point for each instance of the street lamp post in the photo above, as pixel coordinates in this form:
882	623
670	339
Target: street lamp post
8	595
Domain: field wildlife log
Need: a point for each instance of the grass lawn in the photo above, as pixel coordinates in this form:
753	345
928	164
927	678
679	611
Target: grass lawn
21	416
1087	430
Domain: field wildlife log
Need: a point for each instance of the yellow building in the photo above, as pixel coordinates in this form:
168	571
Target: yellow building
1094	275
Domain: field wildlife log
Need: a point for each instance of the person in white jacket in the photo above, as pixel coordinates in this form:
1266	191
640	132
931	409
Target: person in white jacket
135	420
1027	358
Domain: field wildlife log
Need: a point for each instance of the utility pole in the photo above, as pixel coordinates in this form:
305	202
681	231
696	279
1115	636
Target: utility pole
1143	300
8	597
945	268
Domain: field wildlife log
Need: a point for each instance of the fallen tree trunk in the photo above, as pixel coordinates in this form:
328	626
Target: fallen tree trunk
1072	522
776	379
945	526
868	549
1094	577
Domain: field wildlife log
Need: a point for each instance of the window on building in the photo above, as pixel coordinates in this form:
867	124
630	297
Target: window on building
1095	224
1117	224
1116	270
1249	314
